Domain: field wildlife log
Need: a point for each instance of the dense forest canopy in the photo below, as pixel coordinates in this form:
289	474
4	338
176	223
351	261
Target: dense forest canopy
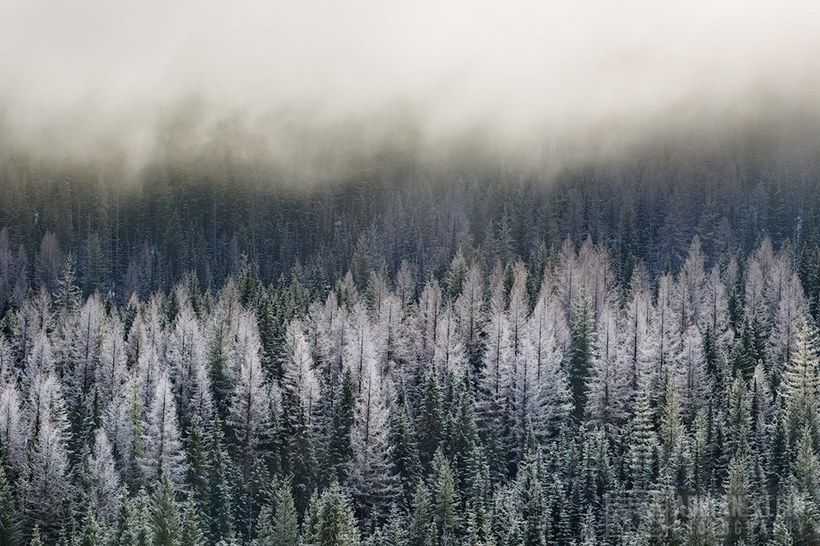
538	402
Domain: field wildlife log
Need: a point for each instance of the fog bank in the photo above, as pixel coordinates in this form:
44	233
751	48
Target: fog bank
317	91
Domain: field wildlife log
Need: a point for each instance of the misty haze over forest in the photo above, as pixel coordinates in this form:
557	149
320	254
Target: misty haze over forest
409	274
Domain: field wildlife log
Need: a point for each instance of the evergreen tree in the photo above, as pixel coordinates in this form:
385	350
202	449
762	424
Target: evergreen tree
190	533
607	386
800	382
13	436
68	293
421	523
580	355
218	508
285	528
91	533
135	528
47	485
405	454
642	448
430	418
702	527
331	521
9	526
339	447
445	501
165	518
532	500
302	461
738	502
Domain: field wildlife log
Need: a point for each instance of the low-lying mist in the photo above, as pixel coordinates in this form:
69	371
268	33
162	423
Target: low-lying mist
295	94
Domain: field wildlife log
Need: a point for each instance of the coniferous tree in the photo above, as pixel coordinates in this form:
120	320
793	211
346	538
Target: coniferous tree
302	462
190	533
91	534
800	382
608	384
331	521
163	447
13	436
405	454
643	445
371	477
421	529
738	503
47	487
445	501
580	355
9	526
105	482
430	418
165	513
285	527
137	529
218	509
532	500
249	406
468	308
495	381
339	447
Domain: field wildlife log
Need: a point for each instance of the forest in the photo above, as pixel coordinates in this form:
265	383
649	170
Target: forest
502	401
421	273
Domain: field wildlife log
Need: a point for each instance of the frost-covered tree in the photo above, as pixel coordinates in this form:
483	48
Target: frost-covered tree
283	529
187	360
518	311
249	414
82	350
800	382
609	381
371	477
738	503
13	434
165	524
470	314
496	382
360	352
581	354
693	378
47	485
112	373
162	444
551	399
787	318
688	292
429	309
668	328
9	522
393	332
105	481
715	322
298	373
449	355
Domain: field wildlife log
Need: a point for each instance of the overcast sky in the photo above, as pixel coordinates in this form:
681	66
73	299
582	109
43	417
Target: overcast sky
82	75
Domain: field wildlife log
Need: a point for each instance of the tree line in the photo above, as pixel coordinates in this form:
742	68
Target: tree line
545	402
